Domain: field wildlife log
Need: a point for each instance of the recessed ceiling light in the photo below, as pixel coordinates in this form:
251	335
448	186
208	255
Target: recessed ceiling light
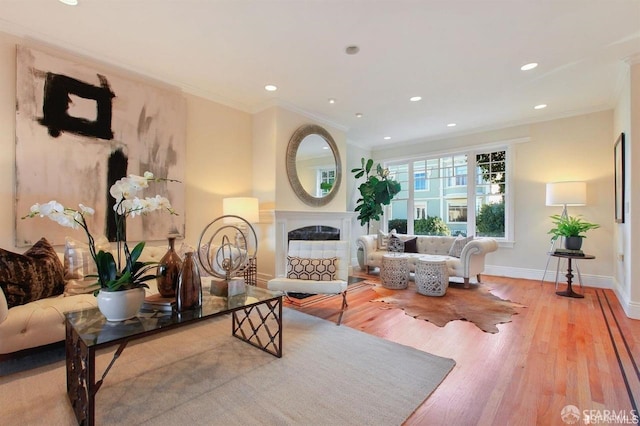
529	66
270	88
332	101
451	125
325	147
70	2
352	50
359	114
386	138
415	98
541	106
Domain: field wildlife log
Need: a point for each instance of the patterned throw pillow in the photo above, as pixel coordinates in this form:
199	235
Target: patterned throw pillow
34	275
312	269
78	264
395	244
77	258
458	245
383	238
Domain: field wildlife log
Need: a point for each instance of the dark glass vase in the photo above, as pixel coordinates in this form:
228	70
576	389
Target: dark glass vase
168	271
189	291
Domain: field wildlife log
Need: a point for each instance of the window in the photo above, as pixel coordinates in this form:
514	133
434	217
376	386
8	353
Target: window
326	179
455	169
419	181
456	194
490	194
457	211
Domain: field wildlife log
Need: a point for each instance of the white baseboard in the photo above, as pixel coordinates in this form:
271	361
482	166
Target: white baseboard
588	280
631	308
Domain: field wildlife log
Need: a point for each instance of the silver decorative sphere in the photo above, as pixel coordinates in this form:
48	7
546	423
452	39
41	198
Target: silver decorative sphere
226	245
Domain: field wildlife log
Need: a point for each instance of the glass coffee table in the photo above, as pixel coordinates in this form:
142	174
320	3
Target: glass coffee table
256	318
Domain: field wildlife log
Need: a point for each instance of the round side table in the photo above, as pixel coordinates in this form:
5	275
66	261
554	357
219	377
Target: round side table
394	271
432	275
569	291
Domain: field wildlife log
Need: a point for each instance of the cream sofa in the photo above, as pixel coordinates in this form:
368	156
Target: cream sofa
469	264
41	322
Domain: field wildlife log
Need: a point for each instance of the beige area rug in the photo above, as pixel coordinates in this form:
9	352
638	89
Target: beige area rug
475	304
200	375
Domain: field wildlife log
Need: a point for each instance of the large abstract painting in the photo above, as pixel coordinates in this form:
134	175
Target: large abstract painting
78	129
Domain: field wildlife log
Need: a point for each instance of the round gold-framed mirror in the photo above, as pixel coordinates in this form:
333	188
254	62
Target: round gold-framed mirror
313	162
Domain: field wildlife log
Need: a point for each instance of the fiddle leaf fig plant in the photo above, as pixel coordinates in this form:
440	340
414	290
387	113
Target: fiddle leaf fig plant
376	191
570	226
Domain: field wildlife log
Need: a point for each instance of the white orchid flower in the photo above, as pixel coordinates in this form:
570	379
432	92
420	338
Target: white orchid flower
86	210
138	206
118	191
137	182
51	207
157	202
65	218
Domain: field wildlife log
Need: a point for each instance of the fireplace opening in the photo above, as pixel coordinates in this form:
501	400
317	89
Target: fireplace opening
314	233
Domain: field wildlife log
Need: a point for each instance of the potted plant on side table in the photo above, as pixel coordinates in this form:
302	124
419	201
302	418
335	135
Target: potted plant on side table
572	228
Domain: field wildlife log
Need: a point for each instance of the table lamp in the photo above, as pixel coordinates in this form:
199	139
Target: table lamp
572	193
244	207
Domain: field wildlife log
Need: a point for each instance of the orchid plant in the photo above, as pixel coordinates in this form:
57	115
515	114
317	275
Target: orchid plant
126	273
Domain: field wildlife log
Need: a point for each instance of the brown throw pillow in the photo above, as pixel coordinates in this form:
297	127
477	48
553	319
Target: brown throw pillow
36	274
411	245
312	269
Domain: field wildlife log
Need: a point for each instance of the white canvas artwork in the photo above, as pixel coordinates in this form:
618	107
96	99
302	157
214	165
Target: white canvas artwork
78	129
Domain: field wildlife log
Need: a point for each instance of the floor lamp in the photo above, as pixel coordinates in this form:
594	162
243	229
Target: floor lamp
564	194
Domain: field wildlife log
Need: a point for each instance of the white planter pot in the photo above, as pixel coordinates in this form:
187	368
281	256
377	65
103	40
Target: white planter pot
120	305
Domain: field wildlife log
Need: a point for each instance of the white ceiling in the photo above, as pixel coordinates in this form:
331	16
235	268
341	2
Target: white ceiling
462	57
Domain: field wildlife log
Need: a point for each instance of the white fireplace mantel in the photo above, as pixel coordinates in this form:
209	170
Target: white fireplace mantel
287	220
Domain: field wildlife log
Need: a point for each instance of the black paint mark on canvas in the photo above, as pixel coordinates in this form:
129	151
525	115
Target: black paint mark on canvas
116	169
55	108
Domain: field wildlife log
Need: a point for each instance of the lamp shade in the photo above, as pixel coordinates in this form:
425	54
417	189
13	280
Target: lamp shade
566	194
245	207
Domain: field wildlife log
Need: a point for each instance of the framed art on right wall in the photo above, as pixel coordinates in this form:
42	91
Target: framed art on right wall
619	178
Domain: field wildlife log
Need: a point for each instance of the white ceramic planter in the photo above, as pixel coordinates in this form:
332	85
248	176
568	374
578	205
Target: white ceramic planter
120	305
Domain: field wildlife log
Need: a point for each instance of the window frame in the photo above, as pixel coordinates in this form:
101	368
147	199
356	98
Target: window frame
471	178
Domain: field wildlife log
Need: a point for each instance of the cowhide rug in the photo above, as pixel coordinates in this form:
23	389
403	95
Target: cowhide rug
475	304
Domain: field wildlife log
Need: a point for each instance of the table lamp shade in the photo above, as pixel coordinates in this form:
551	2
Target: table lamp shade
245	207
566	194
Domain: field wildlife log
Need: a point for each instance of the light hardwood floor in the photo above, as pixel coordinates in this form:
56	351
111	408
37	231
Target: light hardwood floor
557	351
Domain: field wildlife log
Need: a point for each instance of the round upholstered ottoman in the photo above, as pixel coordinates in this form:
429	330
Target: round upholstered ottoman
432	275
394	271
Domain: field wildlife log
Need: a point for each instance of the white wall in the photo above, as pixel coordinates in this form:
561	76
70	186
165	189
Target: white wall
633	194
272	130
626	236
219	153
287	123
575	148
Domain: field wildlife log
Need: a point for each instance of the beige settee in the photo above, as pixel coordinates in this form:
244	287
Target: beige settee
41	322
470	262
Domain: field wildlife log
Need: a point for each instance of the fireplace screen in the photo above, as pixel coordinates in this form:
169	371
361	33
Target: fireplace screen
316	232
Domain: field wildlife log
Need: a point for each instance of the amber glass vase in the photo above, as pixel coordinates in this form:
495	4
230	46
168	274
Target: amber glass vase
189	291
168	271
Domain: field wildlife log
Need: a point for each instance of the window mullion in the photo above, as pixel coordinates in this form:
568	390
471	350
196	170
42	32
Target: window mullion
471	193
410	199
